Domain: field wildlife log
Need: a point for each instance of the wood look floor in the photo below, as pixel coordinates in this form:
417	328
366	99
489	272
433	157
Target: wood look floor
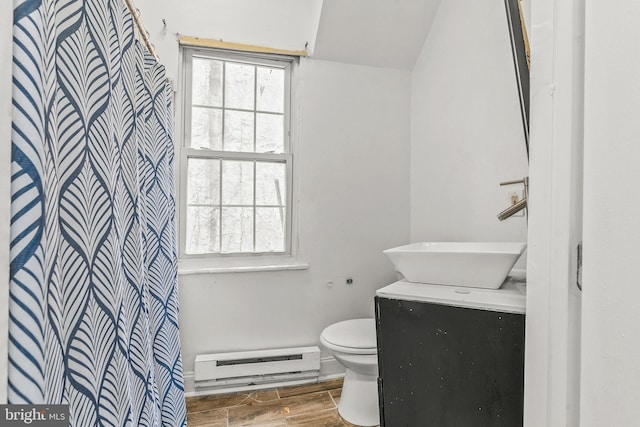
312	405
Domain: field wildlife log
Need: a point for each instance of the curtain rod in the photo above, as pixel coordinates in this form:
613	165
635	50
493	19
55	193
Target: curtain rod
202	42
135	12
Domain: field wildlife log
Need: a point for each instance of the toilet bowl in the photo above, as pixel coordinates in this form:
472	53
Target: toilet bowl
353	344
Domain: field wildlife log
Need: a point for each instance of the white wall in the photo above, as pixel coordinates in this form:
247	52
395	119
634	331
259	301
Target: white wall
466	130
354	197
353	162
6	33
282	24
611	297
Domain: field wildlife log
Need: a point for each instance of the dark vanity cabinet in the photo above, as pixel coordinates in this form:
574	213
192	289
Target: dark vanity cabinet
446	366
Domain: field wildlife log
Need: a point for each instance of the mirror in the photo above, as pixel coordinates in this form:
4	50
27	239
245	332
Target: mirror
521	59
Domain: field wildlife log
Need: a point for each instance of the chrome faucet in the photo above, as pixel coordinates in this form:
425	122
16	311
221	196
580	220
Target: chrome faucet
520	205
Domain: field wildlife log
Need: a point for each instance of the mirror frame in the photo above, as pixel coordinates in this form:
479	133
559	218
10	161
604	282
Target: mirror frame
521	54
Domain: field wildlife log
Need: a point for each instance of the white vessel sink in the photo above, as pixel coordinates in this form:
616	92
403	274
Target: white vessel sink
470	264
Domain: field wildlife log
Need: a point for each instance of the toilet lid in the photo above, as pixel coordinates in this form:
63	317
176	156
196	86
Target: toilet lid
355	333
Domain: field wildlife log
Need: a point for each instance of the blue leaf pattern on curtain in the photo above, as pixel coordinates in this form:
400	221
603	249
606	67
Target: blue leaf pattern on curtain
93	294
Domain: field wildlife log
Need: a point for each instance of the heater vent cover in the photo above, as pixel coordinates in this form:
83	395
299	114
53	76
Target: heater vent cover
256	367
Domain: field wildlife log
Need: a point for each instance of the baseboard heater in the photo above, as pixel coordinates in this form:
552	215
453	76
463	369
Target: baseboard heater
250	368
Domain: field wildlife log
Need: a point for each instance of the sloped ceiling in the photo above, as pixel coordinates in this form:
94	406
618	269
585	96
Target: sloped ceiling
379	33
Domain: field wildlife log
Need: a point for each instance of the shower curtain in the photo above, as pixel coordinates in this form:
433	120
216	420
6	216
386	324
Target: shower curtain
93	293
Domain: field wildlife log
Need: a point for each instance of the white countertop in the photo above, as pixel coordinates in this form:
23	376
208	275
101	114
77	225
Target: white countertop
510	298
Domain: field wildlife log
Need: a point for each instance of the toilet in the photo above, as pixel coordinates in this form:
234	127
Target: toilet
353	344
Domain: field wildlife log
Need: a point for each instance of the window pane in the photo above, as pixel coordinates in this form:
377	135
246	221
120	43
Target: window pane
270	183
270	90
270	229
237	182
238	131
269	133
207	82
203	181
236	203
239	86
237	229
202	230
206	128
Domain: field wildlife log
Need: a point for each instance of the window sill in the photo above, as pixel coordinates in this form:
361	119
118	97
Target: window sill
238	265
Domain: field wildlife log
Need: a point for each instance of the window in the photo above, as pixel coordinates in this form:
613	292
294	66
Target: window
236	159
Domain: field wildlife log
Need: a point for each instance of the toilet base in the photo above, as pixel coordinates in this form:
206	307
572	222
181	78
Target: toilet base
359	399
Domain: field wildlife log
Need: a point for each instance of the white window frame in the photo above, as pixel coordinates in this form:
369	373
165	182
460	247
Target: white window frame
238	261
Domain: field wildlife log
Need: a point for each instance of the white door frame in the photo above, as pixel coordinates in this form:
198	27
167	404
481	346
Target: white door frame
552	361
